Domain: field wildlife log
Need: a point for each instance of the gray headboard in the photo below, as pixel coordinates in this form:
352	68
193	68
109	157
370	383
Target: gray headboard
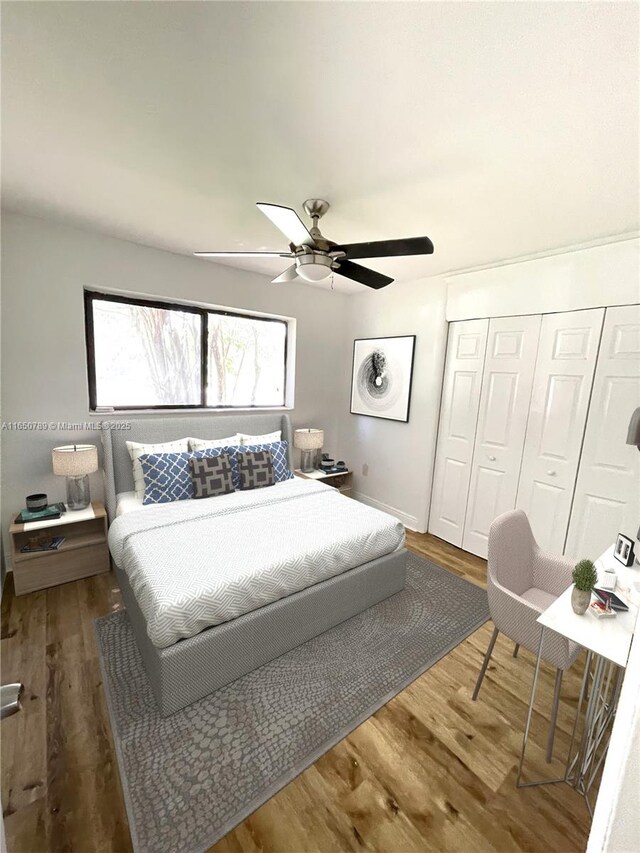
118	475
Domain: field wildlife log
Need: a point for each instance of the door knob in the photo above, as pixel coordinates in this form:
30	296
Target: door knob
551	473
492	458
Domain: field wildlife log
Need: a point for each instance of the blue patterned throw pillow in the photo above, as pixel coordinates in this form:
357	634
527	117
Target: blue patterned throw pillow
278	450
167	476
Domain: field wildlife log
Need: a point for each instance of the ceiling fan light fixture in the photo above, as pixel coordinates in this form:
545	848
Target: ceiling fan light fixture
315	257
314	267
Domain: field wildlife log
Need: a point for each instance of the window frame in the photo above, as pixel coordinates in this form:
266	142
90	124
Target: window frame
190	308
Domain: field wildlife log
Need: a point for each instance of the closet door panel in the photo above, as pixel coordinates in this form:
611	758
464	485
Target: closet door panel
561	392
607	497
456	434
545	511
512	345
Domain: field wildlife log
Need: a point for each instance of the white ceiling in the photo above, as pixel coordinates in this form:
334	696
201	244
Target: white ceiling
497	129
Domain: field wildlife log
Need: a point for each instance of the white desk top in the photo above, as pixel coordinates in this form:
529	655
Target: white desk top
609	638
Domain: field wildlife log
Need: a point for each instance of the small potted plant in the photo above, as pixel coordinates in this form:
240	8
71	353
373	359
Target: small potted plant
585	578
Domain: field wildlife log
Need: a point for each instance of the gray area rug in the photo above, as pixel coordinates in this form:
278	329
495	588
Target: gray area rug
190	778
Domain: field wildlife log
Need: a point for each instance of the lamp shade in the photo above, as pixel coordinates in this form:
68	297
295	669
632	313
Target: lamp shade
633	435
308	439
75	460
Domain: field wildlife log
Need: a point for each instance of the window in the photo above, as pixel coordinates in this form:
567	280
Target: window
145	355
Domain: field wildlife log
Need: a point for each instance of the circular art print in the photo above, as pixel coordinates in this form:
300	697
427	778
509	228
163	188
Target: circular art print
381	380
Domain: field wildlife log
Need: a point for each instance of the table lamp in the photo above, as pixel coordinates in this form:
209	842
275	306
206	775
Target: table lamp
309	441
75	462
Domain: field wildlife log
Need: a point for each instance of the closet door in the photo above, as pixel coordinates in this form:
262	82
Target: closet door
561	390
607	498
456	434
509	365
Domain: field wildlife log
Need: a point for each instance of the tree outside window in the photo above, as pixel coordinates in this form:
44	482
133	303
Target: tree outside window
144	356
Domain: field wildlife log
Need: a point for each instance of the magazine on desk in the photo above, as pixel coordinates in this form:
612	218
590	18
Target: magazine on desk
605	596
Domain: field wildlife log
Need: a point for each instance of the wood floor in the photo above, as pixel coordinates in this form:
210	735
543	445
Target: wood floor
431	770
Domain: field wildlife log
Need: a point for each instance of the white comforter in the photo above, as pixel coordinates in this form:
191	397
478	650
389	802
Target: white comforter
194	564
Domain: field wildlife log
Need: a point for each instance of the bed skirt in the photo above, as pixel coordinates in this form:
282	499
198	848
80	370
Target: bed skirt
192	668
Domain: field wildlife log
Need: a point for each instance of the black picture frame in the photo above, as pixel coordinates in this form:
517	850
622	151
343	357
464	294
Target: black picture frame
623	550
371	414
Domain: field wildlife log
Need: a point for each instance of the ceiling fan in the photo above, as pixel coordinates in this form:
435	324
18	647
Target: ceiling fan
315	257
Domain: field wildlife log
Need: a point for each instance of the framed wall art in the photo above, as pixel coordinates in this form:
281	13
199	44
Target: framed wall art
381	377
623	551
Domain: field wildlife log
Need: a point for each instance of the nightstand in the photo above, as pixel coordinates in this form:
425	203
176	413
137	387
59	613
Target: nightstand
342	480
84	551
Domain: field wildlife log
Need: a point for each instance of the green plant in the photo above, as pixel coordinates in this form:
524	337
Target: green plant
585	576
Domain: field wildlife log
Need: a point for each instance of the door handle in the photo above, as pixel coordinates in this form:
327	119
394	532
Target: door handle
551	473
492	458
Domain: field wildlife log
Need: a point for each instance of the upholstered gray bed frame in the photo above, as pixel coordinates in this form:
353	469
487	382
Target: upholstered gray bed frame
192	668
118	473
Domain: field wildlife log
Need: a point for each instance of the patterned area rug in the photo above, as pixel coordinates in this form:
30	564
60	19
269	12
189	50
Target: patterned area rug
190	778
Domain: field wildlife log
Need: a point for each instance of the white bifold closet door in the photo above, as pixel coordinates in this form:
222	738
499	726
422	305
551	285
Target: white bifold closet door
562	384
607	497
457	430
509	366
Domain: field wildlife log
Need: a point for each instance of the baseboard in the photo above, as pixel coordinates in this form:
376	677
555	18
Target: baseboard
409	521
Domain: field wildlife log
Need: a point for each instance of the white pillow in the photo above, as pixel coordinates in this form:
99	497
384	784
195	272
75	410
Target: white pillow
137	450
206	443
267	438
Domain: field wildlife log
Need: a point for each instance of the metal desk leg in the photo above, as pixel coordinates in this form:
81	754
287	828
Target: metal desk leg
583	692
519	782
601	698
592	705
610	707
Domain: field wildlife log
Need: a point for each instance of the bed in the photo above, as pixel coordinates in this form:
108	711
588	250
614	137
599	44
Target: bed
218	587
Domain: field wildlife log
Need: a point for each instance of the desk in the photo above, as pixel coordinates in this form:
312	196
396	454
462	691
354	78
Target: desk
607	642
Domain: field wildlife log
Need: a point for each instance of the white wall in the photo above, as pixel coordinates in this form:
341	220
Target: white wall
581	278
616	819
392	461
44	269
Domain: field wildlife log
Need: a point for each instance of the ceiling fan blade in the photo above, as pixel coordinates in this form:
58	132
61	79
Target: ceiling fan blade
244	254
288	221
387	248
363	275
288	275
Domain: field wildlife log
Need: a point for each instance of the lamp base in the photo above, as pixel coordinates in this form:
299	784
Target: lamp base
78	493
306	461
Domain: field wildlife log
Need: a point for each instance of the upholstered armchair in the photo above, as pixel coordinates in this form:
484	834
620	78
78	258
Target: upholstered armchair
522	581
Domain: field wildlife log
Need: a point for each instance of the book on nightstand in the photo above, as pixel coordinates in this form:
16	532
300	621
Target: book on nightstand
49	513
46	545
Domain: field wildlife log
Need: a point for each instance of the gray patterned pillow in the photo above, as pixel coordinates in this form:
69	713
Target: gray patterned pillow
256	469
211	476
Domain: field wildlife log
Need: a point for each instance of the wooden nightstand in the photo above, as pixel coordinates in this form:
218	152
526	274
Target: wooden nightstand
84	551
342	480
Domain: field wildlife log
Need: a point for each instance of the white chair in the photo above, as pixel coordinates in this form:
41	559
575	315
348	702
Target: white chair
522	581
